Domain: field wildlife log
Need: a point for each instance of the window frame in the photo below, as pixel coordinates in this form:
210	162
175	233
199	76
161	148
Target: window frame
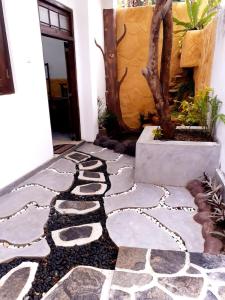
6	78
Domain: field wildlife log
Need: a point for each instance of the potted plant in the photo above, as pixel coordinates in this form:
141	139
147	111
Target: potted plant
191	31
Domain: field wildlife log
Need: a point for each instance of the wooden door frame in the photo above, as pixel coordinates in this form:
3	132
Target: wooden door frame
71	68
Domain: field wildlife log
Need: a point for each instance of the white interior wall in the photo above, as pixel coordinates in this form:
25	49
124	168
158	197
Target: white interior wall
54	55
24	116
218	79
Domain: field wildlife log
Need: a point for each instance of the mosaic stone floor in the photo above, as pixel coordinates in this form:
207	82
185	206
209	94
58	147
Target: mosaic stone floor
61	229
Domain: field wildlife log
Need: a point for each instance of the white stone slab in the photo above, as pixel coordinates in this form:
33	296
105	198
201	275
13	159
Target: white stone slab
183	223
52	180
25	227
64	165
180	196
15	201
74	211
107	155
38	249
100	178
145	195
77	160
133	230
95	235
173	162
125	161
101	191
97	164
122	182
89	148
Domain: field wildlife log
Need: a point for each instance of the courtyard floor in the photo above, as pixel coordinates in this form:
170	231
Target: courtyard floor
83	229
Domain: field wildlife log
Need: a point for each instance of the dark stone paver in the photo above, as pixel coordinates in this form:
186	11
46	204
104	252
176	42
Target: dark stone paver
82	283
183	285
127	280
152	294
131	258
167	262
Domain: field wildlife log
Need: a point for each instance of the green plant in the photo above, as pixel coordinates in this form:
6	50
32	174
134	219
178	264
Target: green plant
157	133
203	110
197	20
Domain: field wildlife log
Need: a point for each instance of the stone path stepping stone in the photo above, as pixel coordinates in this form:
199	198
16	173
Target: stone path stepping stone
145	195
119	295
15	201
122	182
82	283
131	259
207	261
152	293
16	283
128	280
180	196
76	207
124	161
91	176
77	235
90	165
181	222
37	249
183	285
63	165
167	262
107	155
24	228
90	189
52	180
90	148
77	156
133	230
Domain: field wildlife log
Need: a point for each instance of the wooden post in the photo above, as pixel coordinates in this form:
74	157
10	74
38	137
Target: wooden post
110	59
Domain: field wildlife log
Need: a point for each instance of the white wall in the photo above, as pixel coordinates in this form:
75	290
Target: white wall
24	117
88	25
54	55
218	79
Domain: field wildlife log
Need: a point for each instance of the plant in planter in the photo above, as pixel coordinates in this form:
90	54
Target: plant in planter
197	20
201	110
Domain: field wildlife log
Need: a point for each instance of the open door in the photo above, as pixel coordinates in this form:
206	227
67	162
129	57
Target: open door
56	22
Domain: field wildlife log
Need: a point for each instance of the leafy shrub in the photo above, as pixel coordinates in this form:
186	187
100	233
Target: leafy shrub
203	110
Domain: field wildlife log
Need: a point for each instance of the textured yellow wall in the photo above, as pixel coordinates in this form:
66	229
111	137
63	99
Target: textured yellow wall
133	52
197	52
202	73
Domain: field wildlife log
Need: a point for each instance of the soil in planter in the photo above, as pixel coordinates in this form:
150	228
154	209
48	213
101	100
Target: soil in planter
190	135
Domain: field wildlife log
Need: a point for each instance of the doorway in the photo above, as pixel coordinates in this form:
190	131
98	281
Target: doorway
56	23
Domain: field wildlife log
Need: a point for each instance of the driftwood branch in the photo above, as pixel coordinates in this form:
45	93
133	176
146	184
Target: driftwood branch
159	85
122	36
103	53
122	79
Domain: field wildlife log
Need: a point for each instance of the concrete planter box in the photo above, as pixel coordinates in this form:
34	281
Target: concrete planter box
173	162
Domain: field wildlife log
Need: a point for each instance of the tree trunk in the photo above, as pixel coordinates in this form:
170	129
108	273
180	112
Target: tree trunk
159	86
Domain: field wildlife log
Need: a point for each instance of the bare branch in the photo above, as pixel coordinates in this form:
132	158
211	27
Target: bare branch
122	36
122	79
103	53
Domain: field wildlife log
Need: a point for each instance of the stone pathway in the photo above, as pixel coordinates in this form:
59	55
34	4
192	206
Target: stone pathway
156	274
60	231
